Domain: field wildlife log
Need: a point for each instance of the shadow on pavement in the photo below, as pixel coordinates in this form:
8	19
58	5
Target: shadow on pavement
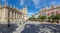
30	28
5	29
42	28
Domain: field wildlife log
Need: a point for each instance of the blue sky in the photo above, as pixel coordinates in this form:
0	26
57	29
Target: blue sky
33	6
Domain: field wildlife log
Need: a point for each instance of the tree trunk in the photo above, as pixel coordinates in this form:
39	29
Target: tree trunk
57	21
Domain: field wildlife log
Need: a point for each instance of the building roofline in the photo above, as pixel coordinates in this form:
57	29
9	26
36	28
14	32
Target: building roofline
11	8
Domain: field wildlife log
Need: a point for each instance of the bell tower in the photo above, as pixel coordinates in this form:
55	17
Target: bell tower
52	5
25	12
25	9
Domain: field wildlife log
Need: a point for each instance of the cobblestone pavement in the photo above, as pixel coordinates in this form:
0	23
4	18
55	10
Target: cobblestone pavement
30	27
5	29
37	27
41	28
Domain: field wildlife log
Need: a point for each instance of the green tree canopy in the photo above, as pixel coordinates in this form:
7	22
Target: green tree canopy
56	17
43	17
32	18
50	17
39	17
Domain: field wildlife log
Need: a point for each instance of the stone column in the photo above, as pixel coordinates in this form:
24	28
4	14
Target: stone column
15	15
19	16
12	15
0	15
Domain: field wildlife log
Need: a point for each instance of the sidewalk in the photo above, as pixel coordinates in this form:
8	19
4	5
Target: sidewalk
33	22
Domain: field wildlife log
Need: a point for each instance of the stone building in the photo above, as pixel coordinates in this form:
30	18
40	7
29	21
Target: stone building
51	11
12	14
48	11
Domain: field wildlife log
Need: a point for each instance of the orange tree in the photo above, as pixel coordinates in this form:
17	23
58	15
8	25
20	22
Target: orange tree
32	18
56	17
41	17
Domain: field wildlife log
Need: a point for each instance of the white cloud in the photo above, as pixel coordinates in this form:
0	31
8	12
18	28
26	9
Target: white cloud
52	2
36	3
21	2
37	6
30	13
3	0
43	5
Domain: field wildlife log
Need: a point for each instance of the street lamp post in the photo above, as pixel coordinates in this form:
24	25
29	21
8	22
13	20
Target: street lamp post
8	18
5	1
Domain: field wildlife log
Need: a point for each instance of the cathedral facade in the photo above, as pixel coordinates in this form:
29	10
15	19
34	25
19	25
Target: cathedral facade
12	14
